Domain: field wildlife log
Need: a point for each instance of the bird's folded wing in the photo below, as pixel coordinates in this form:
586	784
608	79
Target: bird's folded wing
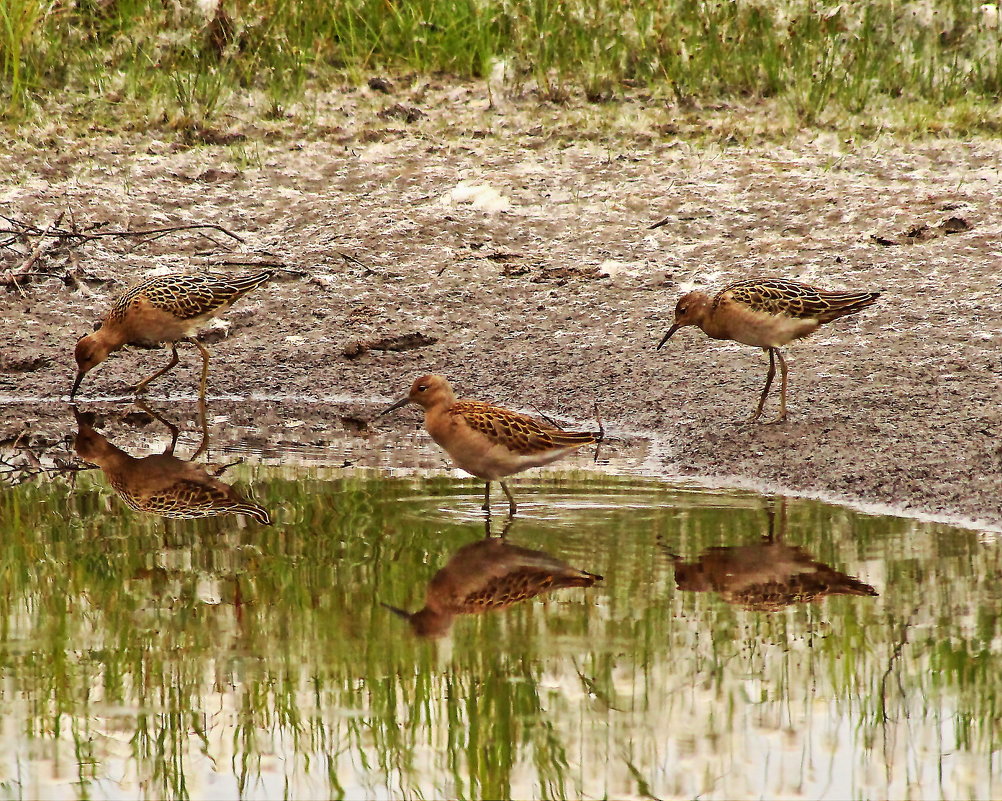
518	432
793	299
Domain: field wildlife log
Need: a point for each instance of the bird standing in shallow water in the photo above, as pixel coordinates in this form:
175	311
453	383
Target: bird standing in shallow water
165	309
766	313
487	441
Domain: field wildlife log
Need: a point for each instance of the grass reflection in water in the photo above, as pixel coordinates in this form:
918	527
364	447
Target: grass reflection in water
143	655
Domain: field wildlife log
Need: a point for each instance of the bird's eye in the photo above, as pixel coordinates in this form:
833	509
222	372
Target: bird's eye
422	388
682	309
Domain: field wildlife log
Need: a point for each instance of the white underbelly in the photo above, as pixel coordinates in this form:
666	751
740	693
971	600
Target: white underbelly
498	462
775	332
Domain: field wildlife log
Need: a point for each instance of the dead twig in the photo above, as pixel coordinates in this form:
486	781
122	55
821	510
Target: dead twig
84	237
352	260
547	418
12	275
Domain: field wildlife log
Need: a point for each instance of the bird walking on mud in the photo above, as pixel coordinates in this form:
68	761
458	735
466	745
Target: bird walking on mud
487	441
165	309
486	575
766	313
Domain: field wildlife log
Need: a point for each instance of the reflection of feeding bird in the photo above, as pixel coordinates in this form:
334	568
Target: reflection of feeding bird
485	575
487	441
767	575
163	484
766	313
165	309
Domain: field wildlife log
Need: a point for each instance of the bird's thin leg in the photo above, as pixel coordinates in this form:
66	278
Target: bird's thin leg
203	422
770	512
205	365
170	366
768	383
601	432
175	432
487	497
782	393
776	512
511	501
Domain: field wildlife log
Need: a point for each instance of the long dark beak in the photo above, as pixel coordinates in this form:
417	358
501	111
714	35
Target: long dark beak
667	336
76	384
399	612
393	408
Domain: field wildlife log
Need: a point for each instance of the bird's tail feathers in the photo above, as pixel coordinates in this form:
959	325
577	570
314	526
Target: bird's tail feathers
245	283
259	513
842	304
572	438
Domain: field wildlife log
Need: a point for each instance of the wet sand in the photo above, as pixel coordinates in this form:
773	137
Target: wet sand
510	249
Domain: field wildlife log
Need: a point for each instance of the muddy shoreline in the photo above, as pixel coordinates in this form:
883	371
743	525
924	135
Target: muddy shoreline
523	267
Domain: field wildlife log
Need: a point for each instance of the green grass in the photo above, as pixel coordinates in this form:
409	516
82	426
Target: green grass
174	64
162	632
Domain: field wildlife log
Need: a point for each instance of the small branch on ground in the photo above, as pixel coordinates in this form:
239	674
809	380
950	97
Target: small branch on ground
20	233
22	230
12	275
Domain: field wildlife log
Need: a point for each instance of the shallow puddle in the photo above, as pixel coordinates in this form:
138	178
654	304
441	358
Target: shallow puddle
736	645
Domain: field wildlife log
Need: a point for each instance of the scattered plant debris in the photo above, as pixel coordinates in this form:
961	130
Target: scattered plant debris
923	232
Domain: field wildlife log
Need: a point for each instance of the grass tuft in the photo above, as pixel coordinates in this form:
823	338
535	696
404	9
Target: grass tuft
818	58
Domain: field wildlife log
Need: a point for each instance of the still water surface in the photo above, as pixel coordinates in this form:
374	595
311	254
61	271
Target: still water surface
736	645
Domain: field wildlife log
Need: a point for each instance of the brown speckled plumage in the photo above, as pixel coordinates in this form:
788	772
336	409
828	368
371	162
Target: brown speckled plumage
487	441
766	313
780	297
490	575
518	432
163	309
185	499
186	296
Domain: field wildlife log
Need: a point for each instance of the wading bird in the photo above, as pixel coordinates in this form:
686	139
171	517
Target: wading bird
165	309
487	441
162	484
766	575
766	313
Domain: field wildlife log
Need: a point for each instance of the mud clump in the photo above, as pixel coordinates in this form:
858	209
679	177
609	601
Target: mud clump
395	343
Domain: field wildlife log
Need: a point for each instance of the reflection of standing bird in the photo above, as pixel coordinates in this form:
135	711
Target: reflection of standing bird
765	576
165	309
766	313
489	574
163	484
487	441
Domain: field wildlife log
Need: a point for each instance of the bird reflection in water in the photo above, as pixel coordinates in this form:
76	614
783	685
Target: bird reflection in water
163	484
486	575
765	576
